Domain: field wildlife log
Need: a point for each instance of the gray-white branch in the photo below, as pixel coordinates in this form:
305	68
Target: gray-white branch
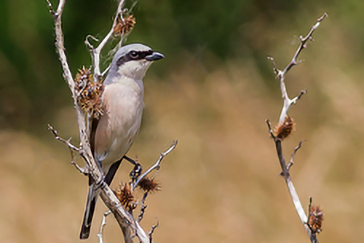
281	74
95	52
84	150
278	142
156	166
103	224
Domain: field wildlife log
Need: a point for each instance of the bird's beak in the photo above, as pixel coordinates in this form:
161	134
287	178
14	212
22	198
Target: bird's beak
154	57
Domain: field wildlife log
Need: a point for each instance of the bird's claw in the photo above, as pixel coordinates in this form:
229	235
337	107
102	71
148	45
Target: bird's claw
137	170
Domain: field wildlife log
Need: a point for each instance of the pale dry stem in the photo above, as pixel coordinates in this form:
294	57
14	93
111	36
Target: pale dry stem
157	164
278	142
281	74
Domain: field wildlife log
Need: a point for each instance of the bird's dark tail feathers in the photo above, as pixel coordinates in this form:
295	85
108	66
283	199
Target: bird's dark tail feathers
89	212
92	199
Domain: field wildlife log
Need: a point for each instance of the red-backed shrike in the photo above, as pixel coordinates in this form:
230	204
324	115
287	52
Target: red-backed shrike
122	104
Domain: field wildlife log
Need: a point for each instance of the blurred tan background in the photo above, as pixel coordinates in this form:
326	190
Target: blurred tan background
212	92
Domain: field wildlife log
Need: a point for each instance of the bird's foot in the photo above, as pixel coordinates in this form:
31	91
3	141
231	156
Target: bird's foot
137	170
135	173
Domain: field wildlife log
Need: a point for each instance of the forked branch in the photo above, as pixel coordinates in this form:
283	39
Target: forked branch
281	74
95	52
157	164
278	139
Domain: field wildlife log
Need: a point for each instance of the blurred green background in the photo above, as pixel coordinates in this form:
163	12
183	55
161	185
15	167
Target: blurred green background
212	92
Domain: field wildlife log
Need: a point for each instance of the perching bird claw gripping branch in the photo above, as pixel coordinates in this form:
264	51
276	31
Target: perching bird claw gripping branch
122	25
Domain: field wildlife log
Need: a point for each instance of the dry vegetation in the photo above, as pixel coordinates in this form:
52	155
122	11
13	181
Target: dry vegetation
222	184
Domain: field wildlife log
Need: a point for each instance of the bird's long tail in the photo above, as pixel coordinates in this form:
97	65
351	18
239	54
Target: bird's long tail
92	197
89	212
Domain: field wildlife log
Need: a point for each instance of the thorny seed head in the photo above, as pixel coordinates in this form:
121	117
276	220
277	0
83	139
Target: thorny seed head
284	129
149	185
125	196
89	92
315	219
124	26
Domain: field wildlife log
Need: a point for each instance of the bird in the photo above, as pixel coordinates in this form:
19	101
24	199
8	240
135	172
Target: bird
122	103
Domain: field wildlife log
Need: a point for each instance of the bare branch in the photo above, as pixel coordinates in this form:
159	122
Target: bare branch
281	74
294	100
152	230
67	142
293	154
309	208
270	129
296	149
156	166
71	148
95	52
287	177
88	44
304	41
142	207
103	224
278	142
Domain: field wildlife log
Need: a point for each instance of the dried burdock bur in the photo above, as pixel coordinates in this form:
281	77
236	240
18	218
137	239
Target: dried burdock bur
284	129
124	26
149	185
316	218
126	197
89	92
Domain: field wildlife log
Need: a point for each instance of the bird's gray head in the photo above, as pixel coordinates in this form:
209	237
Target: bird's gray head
132	61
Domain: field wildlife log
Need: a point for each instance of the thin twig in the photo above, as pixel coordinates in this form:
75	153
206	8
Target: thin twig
95	52
157	164
293	154
72	148
103	224
309	210
270	129
281	74
303	44
152	230
142	207
67	142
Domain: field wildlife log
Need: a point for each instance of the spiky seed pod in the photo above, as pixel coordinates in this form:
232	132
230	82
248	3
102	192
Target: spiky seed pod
316	218
149	185
284	129
124	26
89	92
126	197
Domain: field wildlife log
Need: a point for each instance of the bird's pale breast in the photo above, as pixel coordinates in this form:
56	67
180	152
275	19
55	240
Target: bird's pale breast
119	124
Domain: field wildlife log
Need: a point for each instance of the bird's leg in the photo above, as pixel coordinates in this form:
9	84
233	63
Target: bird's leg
137	170
112	171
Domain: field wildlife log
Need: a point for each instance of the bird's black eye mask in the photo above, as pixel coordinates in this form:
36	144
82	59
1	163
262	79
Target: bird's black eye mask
133	55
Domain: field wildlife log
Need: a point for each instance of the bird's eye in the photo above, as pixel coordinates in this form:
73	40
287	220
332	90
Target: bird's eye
133	54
